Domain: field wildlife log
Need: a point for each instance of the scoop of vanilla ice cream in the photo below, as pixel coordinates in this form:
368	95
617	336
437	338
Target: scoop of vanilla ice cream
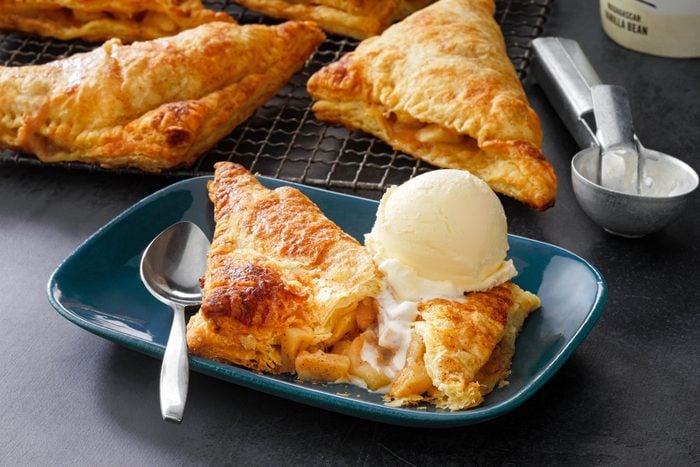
442	233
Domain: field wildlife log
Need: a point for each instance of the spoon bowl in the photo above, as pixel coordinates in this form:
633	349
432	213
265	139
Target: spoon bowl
171	266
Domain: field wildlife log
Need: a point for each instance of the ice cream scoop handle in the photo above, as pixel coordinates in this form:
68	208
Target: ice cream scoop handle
613	117
566	77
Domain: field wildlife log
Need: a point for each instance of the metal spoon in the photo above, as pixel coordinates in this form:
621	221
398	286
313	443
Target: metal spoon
171	266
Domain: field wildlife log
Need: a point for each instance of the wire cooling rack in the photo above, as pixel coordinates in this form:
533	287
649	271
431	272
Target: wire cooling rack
283	139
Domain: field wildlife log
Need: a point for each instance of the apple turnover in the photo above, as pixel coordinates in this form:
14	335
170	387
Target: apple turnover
283	282
440	87
354	18
286	290
100	20
151	105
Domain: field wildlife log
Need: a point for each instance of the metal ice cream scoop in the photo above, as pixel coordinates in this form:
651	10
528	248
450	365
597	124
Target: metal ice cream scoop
627	189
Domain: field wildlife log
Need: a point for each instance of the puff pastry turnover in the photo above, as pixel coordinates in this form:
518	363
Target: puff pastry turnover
283	282
439	86
99	20
354	18
151	105
461	350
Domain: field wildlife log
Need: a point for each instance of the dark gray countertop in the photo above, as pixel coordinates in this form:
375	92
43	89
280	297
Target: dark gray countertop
626	396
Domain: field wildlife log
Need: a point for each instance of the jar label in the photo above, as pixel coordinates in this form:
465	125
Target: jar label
660	27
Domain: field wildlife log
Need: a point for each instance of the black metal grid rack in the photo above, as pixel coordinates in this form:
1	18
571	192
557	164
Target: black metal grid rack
283	139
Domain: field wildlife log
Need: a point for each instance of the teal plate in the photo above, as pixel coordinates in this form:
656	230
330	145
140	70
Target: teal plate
98	288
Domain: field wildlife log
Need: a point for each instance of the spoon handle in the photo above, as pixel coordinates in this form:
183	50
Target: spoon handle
174	374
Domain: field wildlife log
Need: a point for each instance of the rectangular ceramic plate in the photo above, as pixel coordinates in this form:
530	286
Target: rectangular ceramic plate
98	288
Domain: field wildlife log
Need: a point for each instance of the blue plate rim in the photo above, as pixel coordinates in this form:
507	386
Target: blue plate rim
321	399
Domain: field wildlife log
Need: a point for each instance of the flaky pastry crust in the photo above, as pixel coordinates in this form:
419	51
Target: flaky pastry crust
151	105
465	348
440	86
100	20
282	279
354	18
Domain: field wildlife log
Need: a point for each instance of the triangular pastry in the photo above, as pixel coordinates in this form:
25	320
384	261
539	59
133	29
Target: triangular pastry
354	18
100	20
151	105
281	280
440	87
